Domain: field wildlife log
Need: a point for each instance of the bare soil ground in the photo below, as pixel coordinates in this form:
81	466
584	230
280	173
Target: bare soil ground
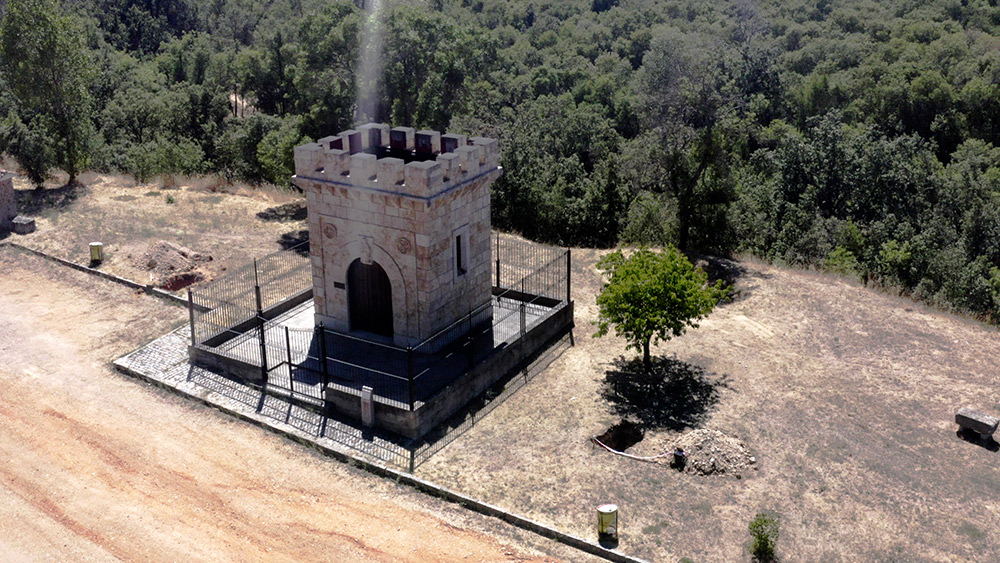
95	466
845	397
230	224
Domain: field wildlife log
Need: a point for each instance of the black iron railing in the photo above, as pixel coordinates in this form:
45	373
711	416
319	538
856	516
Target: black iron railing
530	280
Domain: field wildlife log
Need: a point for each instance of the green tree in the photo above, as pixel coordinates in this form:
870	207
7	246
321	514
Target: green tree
688	108
275	151
47	67
652	296
429	62
560	182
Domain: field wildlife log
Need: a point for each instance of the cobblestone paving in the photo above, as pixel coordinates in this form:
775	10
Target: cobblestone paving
165	362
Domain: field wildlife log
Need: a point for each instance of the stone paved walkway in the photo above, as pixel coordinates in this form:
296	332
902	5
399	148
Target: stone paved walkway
164	362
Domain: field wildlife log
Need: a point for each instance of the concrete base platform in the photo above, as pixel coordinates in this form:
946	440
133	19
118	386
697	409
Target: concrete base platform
435	409
444	381
164	362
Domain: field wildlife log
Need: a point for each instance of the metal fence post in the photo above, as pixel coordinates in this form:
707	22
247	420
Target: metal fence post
288	348
409	374
522	307
469	342
263	338
569	263
322	353
194	340
497	250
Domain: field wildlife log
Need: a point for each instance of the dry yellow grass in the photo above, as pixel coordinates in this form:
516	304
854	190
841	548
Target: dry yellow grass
205	215
846	397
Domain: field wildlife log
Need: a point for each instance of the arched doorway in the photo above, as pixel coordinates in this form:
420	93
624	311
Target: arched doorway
369	296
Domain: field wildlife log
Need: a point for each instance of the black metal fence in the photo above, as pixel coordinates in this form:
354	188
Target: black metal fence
530	280
532	268
232	305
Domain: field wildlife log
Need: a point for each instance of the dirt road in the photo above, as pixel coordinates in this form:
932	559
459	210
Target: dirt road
95	466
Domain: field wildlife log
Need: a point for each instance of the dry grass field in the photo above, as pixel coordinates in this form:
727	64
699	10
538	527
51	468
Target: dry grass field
845	396
232	224
95	466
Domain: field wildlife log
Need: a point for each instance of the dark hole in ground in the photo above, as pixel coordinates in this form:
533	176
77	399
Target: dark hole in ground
181	280
622	435
294	211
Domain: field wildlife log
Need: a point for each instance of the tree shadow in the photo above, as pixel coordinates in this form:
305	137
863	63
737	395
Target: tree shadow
718	268
34	202
725	269
294	211
674	395
298	241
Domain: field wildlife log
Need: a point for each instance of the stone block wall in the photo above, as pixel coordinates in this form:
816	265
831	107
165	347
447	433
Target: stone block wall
415	203
8	204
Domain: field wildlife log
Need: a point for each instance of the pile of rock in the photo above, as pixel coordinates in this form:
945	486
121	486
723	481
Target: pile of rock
705	452
710	452
172	266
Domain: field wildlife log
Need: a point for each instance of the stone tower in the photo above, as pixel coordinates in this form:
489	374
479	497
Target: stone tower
399	229
8	205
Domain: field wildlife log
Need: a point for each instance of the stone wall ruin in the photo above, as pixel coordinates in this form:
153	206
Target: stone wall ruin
8	203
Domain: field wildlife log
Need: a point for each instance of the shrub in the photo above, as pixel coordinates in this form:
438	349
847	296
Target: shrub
763	536
841	261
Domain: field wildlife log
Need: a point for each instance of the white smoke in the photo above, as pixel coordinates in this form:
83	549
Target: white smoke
370	64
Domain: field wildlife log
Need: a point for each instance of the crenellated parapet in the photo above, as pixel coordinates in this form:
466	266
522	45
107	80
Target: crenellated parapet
402	160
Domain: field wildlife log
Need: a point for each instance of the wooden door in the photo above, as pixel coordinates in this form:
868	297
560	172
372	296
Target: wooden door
369	296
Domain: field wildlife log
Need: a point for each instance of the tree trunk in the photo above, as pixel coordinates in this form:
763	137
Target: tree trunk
684	224
647	362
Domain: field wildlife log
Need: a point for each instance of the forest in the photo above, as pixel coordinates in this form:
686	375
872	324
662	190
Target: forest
856	136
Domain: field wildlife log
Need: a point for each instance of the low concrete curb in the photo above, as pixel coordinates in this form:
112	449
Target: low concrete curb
381	470
154	291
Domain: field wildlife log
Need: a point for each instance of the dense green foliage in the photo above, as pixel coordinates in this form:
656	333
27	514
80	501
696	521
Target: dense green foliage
44	60
652	296
857	136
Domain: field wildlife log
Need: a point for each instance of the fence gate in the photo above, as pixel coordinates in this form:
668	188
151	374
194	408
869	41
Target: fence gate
292	363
